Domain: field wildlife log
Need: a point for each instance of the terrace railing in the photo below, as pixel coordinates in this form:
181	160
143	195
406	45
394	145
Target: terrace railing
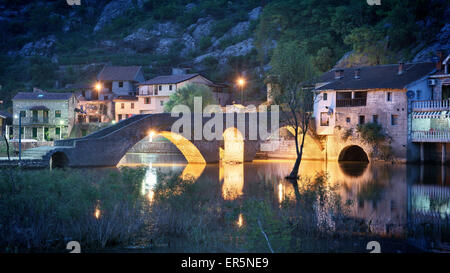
351	102
431	136
431	104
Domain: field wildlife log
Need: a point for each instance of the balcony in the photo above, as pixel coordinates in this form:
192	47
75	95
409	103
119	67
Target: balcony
431	136
351	102
438	105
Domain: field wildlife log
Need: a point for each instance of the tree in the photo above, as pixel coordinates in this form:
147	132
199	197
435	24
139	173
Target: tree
291	69
186	94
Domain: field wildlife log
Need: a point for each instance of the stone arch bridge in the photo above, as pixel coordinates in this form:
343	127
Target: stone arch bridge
106	147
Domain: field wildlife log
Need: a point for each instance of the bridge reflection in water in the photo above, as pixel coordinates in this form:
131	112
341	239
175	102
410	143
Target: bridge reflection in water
387	196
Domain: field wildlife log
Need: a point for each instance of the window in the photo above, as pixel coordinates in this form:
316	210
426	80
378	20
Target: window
105	98
57	131
119	117
122	105
83	132
132	105
324	119
162	103
34	132
170	87
57	113
347	120
147	101
362	119
23	114
120	84
389	96
325	96
160	87
375	118
418	94
394	119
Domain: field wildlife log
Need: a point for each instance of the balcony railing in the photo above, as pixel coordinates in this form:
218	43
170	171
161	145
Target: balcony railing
350	102
431	136
34	120
431	104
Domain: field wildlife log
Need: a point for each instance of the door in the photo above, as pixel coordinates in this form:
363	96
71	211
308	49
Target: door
45	115
46	136
35	116
445	92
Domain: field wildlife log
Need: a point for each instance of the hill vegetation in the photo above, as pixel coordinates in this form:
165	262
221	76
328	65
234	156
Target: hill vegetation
324	29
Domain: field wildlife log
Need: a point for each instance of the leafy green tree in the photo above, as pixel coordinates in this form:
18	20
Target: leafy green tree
324	59
291	69
186	95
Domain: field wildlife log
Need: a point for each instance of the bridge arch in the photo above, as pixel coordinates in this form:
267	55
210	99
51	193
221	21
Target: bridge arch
186	147
353	153
59	160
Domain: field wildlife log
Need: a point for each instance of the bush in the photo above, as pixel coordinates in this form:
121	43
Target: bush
45	209
371	132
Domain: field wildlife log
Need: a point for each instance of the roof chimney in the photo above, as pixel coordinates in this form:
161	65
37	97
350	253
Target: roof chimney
401	68
338	74
357	73
440	59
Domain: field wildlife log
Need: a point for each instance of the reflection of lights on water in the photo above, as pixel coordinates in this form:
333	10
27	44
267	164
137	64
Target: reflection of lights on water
233	181
150	136
240	221
149	183
97	213
280	192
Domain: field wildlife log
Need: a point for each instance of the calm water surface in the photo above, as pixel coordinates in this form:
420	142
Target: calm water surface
389	197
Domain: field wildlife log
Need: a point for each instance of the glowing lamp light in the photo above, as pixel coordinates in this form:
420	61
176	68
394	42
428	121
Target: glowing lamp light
97	213
150	136
61	122
16	116
98	86
113	122
241	82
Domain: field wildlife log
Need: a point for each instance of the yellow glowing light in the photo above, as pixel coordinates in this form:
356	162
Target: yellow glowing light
97	213
233	181
150	136
186	147
151	196
61	122
280	192
233	146
193	171
241	82
240	221
98	86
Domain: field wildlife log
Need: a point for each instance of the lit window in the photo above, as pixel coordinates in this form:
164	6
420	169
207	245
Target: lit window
324	119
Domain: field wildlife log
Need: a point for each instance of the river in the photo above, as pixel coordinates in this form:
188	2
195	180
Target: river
393	198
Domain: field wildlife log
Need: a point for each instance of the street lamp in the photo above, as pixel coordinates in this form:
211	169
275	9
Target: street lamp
20	135
241	83
98	86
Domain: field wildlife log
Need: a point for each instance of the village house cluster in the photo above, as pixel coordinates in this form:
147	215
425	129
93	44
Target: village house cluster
119	93
411	102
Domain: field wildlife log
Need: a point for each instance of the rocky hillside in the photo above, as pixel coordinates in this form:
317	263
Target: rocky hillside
51	44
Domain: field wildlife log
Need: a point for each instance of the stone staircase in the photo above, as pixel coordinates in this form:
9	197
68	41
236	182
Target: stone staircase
38	152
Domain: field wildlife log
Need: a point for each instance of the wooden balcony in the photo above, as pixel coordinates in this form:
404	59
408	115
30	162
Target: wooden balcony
351	102
431	105
431	136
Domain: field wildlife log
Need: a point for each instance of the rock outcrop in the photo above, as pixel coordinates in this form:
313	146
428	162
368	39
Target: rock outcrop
113	10
42	47
442	42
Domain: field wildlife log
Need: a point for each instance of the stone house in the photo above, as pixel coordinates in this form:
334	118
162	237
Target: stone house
119	81
126	106
155	92
348	97
45	116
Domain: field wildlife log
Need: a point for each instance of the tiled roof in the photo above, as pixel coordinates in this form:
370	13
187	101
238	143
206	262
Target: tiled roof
119	73
42	96
376	77
5	114
171	79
